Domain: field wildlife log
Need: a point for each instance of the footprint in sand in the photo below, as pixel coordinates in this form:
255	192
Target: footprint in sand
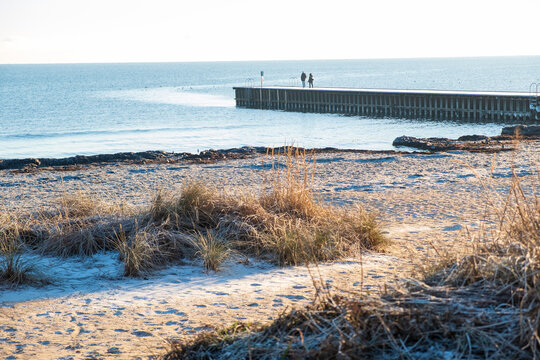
168	311
141	333
293	297
114	350
455	227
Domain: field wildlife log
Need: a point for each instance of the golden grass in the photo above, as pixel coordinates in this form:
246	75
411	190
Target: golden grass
14	271
212	248
194	208
284	224
506	261
483	302
419	323
138	253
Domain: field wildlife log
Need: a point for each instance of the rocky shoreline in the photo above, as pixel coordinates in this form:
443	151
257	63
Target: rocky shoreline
475	143
159	157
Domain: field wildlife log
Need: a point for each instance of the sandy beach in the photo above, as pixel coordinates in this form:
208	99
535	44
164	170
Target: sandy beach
427	202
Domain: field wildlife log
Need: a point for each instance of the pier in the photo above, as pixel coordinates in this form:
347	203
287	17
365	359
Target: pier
456	105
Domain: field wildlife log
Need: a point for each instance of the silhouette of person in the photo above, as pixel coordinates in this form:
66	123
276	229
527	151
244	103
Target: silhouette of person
303	78
310	80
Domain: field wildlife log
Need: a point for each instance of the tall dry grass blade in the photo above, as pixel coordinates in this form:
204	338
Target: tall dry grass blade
212	248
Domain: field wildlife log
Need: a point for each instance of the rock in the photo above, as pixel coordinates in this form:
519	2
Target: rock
523	130
468	143
472	138
413	142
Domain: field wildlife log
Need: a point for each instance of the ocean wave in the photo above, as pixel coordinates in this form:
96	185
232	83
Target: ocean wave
171	96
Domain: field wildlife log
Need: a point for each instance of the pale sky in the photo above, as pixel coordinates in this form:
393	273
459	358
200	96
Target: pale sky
73	31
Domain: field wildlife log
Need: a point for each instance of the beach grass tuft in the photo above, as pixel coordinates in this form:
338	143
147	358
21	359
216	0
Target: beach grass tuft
194	208
14	271
285	224
137	252
211	246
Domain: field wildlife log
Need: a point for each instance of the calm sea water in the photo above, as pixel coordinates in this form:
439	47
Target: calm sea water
65	110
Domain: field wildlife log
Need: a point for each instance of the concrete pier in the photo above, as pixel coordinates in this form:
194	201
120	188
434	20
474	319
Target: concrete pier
480	106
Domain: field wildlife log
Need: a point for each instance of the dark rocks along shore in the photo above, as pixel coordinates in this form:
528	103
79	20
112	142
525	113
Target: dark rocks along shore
481	143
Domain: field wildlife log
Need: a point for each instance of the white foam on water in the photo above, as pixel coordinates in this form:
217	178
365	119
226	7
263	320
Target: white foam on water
170	95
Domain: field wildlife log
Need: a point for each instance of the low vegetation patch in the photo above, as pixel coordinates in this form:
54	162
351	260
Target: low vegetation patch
481	305
14	271
419	323
506	263
284	223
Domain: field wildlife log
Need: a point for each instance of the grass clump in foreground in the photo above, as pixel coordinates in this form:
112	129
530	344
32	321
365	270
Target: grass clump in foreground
484	305
424	323
285	224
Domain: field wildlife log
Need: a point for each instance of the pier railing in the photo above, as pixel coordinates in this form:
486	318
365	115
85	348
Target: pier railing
417	104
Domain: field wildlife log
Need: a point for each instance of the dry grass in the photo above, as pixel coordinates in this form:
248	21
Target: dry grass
82	204
143	249
419	323
194	209
14	271
284	224
484	304
506	262
138	253
212	247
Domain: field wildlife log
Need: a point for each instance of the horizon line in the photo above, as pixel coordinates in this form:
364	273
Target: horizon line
270	60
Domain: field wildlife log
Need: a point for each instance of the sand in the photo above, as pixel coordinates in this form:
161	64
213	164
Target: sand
427	203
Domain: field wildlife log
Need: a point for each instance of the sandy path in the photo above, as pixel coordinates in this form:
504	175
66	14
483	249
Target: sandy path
423	199
137	319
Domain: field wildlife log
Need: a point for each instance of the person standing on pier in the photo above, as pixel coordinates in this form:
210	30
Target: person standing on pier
310	80
303	78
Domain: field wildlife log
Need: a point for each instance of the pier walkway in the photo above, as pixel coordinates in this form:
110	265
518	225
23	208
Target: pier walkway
481	106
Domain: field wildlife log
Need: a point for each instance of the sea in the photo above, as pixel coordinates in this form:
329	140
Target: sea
61	110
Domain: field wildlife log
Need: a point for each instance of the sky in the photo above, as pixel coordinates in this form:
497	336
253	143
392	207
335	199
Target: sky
87	31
